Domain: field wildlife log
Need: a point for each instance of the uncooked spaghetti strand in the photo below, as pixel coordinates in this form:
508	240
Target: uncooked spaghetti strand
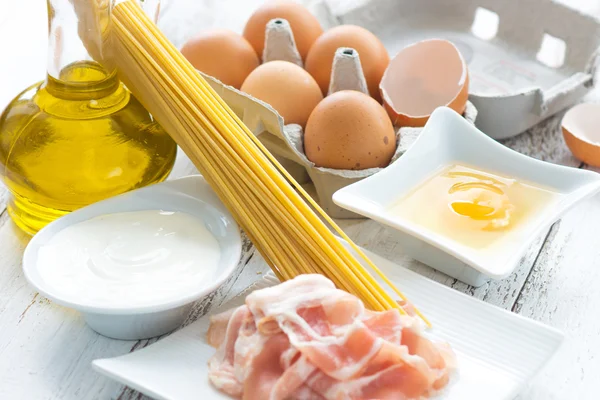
317	207
352	271
217	189
314	204
227	169
291	180
360	283
286	242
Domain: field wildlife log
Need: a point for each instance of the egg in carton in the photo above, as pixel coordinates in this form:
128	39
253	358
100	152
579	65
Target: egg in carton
286	141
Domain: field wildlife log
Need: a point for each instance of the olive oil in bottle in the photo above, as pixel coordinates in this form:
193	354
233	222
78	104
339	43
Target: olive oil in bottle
78	137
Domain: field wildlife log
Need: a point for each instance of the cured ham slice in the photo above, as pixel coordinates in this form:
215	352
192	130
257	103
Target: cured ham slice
304	339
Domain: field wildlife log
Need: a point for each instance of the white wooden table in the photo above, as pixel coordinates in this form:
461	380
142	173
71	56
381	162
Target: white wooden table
46	350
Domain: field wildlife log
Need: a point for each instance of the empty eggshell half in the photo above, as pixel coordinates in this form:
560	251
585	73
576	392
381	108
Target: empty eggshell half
422	77
581	130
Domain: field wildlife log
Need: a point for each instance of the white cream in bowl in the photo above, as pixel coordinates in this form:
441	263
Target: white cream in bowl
134	264
136	258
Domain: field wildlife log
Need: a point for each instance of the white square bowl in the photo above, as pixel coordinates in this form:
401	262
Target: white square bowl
448	139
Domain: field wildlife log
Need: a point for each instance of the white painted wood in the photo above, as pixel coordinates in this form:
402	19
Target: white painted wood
46	350
562	291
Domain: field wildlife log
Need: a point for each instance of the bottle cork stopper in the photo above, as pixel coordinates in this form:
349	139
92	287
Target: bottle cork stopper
280	43
346	72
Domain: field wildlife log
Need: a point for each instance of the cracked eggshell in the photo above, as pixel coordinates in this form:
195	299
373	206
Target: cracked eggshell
581	130
422	77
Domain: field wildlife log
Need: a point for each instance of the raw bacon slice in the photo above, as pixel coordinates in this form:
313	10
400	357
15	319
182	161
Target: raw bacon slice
221	365
265	370
304	339
218	327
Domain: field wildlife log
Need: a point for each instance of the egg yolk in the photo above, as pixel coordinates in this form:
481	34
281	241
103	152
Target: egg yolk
474	208
480	198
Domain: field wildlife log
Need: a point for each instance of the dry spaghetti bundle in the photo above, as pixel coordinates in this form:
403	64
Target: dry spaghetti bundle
255	188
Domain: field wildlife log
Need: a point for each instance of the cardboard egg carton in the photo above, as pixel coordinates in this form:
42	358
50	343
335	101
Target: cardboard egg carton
285	142
528	59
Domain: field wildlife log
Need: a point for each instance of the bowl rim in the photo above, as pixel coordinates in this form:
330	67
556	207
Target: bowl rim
175	186
360	198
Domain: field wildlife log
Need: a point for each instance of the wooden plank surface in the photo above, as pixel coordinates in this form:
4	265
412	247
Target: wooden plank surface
46	350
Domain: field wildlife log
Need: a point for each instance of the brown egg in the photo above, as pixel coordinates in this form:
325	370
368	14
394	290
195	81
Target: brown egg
289	89
349	130
423	77
373	56
222	54
305	26
581	129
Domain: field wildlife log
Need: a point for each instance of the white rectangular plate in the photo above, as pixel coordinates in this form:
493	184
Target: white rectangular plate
498	351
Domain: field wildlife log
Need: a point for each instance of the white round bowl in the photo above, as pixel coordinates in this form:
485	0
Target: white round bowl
191	195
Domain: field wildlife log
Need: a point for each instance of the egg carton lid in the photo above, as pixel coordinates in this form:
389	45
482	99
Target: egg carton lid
511	88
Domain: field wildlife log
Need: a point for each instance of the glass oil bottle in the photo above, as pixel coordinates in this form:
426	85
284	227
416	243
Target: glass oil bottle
79	136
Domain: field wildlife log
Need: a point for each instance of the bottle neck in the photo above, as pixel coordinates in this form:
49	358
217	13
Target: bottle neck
76	58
